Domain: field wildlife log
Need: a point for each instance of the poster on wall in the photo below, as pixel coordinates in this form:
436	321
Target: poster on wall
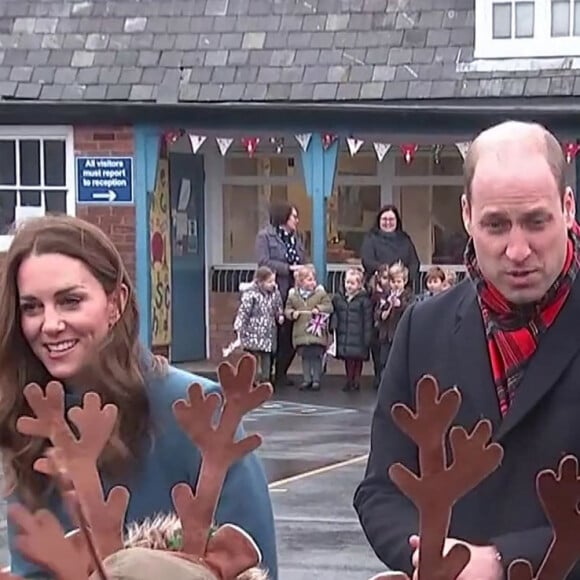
160	224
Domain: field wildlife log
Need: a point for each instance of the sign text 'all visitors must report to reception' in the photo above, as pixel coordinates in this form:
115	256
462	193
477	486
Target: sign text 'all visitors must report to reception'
104	180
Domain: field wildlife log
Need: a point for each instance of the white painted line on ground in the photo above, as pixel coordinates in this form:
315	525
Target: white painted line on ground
318	471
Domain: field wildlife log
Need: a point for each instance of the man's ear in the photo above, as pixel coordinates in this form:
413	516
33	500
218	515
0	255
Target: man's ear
569	204
117	304
466	214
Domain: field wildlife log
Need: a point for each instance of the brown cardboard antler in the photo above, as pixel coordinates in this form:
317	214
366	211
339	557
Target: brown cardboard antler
559	494
439	484
218	448
72	462
80	454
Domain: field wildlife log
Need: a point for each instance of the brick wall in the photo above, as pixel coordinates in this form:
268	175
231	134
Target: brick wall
118	222
222	311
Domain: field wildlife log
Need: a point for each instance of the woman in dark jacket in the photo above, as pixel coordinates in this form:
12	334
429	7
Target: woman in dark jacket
387	243
353	324
279	248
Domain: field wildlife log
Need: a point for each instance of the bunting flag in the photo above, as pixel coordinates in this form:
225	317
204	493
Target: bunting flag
250	144
224	144
303	140
278	144
354	145
196	142
571	150
381	150
328	139
463	147
172	136
437	153
408	151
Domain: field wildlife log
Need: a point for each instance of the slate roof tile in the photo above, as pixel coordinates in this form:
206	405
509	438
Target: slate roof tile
231	50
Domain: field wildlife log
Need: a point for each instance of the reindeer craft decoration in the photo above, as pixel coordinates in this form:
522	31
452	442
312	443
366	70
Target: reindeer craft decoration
440	483
181	545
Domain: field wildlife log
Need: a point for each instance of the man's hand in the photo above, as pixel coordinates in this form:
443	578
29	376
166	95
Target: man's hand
315	311
483	564
281	319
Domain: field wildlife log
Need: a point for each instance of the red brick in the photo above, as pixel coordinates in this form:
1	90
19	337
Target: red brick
118	222
222	308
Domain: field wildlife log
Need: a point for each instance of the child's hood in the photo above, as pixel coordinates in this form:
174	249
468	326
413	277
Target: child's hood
245	286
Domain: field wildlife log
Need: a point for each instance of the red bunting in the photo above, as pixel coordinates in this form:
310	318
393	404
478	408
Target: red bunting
408	151
328	139
250	144
571	150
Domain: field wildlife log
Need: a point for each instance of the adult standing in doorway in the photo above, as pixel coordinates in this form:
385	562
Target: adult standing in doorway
387	243
508	337
279	247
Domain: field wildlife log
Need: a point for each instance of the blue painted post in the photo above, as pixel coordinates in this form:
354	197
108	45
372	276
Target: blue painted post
319	167
146	158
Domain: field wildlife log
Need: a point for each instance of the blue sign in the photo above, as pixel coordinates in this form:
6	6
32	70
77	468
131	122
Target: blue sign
104	180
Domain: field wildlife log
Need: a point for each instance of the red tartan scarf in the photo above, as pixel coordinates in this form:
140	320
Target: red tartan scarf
513	332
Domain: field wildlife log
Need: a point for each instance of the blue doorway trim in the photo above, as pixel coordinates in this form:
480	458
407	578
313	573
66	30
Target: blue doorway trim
147	147
319	165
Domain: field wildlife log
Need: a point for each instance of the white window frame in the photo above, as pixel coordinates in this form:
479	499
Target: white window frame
541	45
255	181
64	133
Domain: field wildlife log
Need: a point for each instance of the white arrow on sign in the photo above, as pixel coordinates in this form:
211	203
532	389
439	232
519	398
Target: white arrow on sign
108	195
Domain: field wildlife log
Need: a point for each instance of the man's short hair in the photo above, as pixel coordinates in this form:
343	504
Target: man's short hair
537	134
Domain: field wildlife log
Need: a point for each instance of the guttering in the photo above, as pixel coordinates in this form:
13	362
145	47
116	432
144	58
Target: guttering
560	113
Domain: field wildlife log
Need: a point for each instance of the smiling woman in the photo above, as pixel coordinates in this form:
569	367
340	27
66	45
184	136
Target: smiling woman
68	312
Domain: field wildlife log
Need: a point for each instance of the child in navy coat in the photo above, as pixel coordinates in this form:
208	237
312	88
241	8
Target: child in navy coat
353	325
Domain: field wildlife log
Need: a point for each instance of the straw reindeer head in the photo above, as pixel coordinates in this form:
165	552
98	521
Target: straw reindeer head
440	484
223	554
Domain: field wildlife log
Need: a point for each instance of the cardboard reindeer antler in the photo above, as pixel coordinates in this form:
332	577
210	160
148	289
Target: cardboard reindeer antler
219	451
559	494
72	462
439	485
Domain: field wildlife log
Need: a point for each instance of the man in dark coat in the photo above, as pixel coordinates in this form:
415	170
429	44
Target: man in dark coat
508	338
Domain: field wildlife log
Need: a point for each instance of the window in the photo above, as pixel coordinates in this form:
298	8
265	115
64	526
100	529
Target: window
353	206
527	28
428	196
36	176
249	186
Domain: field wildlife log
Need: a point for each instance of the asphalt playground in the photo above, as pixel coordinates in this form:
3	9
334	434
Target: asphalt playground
314	453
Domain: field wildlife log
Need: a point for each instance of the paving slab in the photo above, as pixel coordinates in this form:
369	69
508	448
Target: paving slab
318	533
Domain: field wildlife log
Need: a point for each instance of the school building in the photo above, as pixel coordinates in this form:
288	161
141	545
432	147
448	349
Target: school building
173	125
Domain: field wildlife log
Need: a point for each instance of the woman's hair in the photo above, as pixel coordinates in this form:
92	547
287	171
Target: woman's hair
116	368
262	274
398	269
280	213
392	208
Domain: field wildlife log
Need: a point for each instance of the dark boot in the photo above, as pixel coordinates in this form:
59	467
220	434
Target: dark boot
347	386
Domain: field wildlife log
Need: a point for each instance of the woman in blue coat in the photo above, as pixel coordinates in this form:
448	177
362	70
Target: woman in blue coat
68	312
